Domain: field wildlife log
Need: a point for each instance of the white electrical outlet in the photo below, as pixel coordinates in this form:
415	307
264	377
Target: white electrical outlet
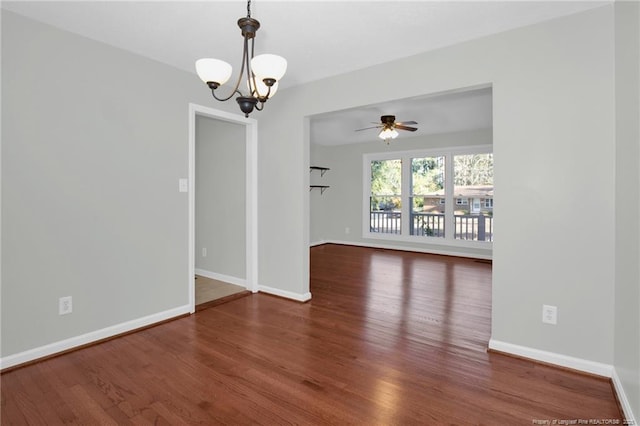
347	230
204	252
65	305
550	314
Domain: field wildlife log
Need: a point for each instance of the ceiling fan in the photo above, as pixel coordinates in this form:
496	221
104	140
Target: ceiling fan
388	125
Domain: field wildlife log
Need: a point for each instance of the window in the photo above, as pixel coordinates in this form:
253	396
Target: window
473	179
385	201
427	188
430	195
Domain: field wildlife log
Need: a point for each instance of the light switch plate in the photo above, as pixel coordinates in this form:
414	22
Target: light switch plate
183	185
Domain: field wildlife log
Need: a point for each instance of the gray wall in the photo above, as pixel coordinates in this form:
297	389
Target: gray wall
340	206
553	125
91	159
220	197
94	140
627	282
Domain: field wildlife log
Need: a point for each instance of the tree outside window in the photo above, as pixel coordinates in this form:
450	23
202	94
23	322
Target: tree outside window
427	191
421	195
385	202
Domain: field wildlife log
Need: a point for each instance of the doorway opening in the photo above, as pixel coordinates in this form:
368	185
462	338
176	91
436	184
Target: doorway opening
398	195
222	204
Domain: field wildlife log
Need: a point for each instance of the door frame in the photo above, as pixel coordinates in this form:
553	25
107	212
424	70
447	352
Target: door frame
251	194
473	202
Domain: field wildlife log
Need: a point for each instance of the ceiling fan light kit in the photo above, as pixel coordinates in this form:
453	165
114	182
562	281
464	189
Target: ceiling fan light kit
262	72
388	133
388	125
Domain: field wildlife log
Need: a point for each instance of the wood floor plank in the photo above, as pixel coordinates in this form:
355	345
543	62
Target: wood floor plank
208	290
389	338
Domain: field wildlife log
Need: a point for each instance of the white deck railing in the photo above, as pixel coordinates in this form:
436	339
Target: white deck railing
467	227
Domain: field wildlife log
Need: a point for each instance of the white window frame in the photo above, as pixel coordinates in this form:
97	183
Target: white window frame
405	157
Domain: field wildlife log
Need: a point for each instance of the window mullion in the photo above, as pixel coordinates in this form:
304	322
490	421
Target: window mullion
366	194
406	195
449	206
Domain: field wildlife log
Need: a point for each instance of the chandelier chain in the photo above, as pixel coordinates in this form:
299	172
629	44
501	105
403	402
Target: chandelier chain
249	9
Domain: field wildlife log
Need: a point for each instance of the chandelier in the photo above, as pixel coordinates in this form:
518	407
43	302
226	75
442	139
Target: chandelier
262	72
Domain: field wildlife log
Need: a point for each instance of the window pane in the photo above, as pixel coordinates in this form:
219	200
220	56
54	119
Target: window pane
427	197
385	202
473	194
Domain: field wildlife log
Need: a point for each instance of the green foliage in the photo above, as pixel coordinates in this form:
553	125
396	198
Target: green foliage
427	174
385	203
475	169
386	185
386	177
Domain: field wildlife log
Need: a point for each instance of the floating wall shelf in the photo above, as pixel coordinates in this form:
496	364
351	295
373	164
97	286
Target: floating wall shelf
322	170
321	187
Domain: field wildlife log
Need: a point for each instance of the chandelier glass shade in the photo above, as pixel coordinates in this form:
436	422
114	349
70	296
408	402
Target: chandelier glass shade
262	72
213	70
269	66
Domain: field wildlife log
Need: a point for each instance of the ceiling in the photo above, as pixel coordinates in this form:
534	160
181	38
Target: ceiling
318	38
443	113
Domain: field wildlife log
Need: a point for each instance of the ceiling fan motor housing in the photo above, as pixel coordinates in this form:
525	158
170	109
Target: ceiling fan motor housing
388	119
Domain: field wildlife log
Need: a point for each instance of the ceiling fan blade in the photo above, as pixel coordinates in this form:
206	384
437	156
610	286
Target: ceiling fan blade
367	128
401	127
406	122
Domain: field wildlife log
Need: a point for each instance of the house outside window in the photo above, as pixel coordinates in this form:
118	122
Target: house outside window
430	196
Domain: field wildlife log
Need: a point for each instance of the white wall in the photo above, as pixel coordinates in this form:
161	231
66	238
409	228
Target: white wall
94	140
554	146
340	206
627	274
220	197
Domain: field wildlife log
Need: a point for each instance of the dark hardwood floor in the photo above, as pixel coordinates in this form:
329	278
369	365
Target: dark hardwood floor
389	338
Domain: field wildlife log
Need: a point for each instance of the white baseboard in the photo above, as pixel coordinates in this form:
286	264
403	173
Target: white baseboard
242	282
579	364
407	248
317	243
622	397
592	367
94	336
286	294
221	277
